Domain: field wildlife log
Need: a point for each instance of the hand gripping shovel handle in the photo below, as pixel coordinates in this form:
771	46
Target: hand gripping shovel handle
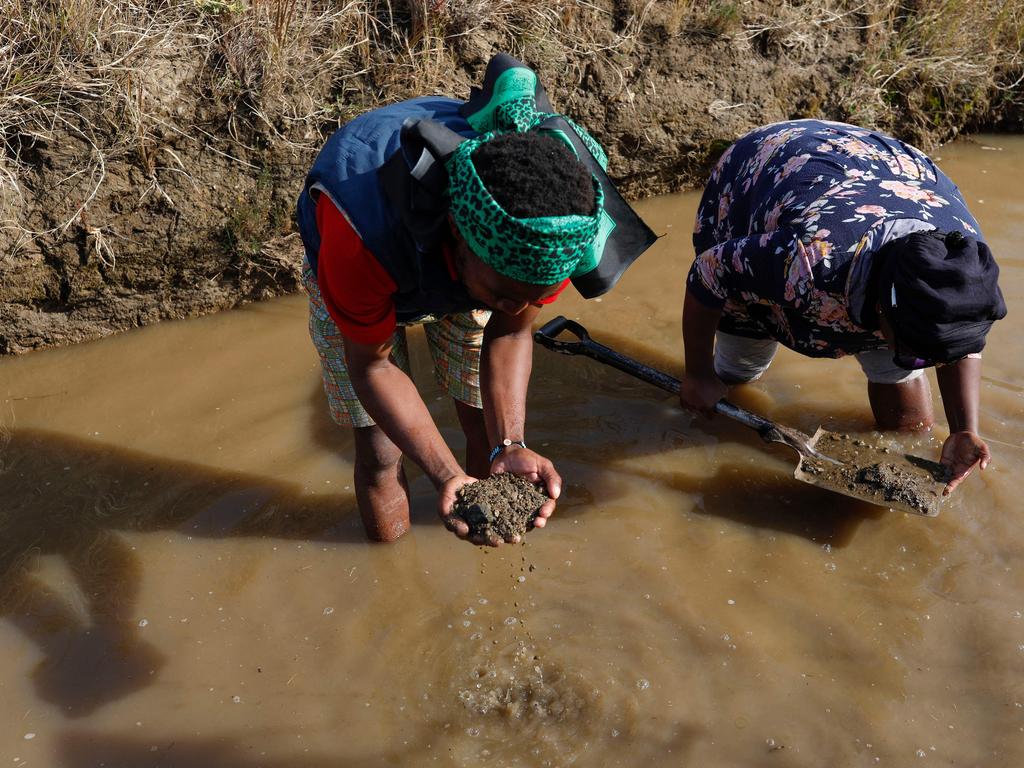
546	337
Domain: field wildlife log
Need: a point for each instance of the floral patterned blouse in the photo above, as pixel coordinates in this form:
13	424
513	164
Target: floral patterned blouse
790	220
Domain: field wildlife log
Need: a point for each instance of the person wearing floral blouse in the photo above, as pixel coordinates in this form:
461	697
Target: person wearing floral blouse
836	240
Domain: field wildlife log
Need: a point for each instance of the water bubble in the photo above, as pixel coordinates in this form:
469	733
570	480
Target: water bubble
236	699
143	622
29	736
615	733
511	620
469	612
473	732
643	684
328	611
831	567
521	579
731	602
482	601
467	623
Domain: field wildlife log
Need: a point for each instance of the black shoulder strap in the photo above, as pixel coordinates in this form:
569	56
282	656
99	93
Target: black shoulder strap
415	181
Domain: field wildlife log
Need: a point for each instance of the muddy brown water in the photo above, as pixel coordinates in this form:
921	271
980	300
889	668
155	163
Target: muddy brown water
184	582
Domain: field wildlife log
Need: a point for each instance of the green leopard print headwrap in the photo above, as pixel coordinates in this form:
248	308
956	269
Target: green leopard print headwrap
543	250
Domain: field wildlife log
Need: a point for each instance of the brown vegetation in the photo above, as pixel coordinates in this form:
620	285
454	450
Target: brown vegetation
150	150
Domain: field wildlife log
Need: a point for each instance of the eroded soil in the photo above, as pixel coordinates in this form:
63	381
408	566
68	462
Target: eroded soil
189	210
503	505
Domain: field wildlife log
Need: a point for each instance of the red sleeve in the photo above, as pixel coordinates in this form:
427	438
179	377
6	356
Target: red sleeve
556	294
357	291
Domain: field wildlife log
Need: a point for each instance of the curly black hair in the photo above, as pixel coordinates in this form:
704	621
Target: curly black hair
534	174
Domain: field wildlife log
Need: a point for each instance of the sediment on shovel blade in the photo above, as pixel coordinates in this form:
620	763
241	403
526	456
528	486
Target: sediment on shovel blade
875	474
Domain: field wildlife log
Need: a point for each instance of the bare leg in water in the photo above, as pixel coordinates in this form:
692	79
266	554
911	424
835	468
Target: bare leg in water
906	407
382	491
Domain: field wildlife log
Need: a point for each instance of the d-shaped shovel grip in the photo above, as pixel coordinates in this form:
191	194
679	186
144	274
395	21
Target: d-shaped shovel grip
545	336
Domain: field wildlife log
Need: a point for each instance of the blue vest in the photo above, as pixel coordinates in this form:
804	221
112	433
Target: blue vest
347	171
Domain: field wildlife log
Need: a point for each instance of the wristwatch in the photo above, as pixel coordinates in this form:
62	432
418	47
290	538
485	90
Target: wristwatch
502	446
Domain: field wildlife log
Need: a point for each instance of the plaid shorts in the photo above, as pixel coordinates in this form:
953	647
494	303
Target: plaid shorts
454	342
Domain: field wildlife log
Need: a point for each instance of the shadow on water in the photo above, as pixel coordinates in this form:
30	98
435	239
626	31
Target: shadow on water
86	749
69	498
760	497
758	494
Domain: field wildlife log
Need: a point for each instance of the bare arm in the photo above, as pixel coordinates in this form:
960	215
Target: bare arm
701	388
391	398
959	384
505	366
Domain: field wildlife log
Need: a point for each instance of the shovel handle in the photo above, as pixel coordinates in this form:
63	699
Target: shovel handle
546	337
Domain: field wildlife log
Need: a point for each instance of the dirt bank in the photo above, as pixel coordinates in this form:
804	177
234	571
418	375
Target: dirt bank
151	157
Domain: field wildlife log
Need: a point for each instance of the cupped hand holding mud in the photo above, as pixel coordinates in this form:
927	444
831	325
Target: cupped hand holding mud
961	453
446	501
531	466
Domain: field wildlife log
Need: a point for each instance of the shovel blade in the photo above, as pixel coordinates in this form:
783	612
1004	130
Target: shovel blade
878	475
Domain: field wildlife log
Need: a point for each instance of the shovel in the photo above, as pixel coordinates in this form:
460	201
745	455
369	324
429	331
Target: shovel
877	475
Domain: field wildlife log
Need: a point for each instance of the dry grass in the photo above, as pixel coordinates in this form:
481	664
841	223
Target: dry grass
939	63
118	77
59	57
924	68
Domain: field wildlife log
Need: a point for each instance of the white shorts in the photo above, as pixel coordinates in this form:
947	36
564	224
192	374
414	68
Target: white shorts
739	360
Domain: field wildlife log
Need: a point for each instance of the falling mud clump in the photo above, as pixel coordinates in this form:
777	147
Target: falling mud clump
503	505
879	475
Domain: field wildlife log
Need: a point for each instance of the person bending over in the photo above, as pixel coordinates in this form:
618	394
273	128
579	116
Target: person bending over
466	218
833	240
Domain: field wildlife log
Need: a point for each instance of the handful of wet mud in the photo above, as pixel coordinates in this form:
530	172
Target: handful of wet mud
503	505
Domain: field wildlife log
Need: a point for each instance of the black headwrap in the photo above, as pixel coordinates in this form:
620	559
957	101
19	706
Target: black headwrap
940	293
